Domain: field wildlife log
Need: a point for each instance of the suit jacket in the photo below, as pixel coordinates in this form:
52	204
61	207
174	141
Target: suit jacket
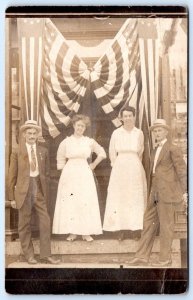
19	173
169	182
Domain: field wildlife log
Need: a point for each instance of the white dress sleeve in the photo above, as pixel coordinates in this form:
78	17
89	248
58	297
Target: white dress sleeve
98	149
61	155
141	144
112	150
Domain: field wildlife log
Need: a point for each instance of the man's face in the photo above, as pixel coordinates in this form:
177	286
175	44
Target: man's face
30	135
160	133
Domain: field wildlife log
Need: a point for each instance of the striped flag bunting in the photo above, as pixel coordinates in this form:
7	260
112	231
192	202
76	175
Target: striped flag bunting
149	59
65	80
30	33
114	78
127	73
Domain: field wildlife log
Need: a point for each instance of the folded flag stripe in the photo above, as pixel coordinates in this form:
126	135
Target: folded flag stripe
30	33
128	72
64	80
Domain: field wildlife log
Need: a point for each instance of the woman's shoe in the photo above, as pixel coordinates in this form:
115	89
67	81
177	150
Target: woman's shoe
71	237
87	238
121	236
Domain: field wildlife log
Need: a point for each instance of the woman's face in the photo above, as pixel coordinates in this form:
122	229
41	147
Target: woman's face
128	118
79	128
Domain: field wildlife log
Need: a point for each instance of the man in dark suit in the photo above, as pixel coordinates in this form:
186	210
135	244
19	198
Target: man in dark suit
168	187
28	173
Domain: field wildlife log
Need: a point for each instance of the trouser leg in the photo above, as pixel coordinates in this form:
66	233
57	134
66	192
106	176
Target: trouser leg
151	224
44	224
166	216
24	224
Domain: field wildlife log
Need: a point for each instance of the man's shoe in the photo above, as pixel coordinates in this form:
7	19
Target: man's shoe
32	261
136	261
161	264
50	260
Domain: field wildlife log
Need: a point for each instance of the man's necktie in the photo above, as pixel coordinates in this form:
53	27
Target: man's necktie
33	160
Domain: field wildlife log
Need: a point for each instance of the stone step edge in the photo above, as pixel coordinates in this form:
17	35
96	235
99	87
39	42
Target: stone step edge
109	262
94	247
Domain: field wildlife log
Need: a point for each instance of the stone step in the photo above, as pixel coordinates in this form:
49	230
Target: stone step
100	246
92	261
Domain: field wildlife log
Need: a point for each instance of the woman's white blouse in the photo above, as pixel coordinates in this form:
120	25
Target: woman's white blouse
73	147
123	141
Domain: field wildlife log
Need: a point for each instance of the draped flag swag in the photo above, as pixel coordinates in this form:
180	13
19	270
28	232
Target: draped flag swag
65	79
128	72
114	78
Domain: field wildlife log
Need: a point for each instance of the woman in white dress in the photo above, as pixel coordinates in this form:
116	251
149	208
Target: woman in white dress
77	209
127	190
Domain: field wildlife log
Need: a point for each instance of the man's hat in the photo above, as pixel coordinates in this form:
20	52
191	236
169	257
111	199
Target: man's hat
159	123
30	124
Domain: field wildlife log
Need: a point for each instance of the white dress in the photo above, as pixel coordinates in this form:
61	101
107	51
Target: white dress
127	190
77	208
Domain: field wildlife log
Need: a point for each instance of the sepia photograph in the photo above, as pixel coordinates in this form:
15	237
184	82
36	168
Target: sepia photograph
96	187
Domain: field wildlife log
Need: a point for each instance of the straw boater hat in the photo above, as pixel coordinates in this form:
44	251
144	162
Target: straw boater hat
159	123
30	124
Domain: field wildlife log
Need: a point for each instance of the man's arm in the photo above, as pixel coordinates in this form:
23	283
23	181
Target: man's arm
180	167
47	177
12	177
47	166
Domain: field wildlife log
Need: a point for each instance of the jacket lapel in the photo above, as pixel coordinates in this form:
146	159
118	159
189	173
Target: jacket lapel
152	160
39	158
24	158
24	153
163	151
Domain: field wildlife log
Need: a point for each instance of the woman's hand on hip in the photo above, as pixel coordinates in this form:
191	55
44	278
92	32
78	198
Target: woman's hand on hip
92	166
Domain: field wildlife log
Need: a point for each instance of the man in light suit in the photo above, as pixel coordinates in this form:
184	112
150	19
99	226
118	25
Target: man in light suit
28	173
168	187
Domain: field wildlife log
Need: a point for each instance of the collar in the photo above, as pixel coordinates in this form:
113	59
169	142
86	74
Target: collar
29	146
123	129
160	144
